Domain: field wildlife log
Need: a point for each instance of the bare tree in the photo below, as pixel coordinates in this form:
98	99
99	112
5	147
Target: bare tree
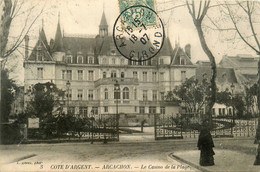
198	13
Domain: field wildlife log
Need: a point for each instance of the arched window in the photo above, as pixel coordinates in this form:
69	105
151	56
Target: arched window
104	74
122	61
90	60
106	93
113	74
104	61
122	74
80	59
126	93
113	61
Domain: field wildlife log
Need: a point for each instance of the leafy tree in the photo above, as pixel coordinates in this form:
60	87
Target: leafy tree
192	94
45	99
8	89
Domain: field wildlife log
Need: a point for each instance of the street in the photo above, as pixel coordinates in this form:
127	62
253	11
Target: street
99	156
114	156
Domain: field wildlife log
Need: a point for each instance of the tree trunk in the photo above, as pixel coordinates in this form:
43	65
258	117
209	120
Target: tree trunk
213	68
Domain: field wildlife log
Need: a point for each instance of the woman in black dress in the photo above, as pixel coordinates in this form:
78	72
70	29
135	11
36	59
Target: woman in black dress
205	145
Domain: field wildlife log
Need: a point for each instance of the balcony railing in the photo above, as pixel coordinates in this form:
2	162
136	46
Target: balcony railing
121	81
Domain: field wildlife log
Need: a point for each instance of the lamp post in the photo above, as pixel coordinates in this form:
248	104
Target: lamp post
233	118
92	125
117	96
68	89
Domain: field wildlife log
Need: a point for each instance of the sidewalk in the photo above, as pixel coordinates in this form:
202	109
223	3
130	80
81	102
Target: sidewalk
225	160
10	156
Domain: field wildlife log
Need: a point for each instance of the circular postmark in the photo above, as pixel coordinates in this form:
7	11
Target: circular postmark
138	33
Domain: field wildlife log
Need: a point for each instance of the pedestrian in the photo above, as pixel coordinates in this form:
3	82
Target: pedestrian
205	145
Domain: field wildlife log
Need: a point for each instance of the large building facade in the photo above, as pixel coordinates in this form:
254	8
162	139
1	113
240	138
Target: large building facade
92	65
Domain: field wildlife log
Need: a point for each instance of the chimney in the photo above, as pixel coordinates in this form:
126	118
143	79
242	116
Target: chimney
187	50
26	39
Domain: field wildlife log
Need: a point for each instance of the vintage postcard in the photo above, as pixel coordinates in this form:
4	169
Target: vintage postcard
129	85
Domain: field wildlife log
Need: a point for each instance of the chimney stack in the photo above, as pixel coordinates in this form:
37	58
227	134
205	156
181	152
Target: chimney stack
26	39
187	50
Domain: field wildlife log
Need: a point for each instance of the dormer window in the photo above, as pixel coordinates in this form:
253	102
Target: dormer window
39	53
182	61
69	59
91	60
80	59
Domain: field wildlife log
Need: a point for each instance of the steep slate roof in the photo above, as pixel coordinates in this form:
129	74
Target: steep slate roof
58	42
177	53
75	45
103	21
223	74
42	42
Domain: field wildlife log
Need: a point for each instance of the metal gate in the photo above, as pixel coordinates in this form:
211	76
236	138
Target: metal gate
105	127
166	127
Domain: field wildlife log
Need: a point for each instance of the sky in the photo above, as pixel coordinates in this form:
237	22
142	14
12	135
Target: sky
82	17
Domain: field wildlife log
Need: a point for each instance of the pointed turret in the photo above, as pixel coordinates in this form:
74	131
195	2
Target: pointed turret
103	26
42	37
58	42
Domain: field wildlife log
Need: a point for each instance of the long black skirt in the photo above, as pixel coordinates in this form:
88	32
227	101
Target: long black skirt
206	156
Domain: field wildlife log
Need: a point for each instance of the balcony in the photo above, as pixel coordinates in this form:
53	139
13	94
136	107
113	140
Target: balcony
121	81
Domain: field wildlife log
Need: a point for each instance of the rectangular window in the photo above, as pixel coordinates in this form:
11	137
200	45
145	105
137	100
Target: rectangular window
80	75
183	76
145	97
152	109
90	75
40	73
135	94
154	77
144	76
90	95
224	111
154	95
69	74
83	111
162	110
135	108
105	108
161	76
80	94
63	74
162	95
135	75
95	110
219	111
142	110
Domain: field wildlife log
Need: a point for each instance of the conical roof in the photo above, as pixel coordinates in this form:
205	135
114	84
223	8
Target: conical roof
58	42
103	21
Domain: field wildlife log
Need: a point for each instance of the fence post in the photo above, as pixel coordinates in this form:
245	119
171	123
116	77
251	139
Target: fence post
155	127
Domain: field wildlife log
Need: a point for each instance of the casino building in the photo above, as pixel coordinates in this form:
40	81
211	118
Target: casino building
87	68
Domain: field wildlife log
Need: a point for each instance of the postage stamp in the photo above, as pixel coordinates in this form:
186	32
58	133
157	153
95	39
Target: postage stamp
138	33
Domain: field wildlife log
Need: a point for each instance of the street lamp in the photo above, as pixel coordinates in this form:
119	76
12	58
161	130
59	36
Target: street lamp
233	118
117	96
68	89
92	123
